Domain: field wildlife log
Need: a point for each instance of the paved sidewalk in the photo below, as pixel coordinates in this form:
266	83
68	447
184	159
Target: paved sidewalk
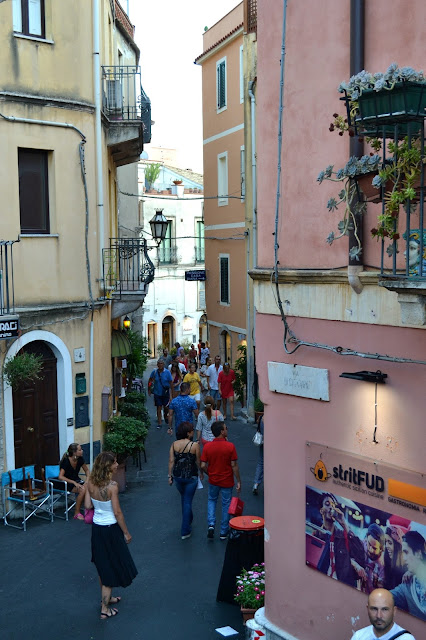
48	585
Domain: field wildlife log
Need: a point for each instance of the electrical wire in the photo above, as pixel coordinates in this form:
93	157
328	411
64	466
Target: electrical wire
164	196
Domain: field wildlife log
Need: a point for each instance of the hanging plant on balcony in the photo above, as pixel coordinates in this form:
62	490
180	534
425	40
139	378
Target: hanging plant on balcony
351	195
24	367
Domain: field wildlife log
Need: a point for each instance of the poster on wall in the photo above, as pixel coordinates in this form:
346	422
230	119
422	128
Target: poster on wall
366	524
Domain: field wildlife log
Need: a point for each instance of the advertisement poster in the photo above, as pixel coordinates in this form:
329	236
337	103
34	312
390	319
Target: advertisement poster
366	525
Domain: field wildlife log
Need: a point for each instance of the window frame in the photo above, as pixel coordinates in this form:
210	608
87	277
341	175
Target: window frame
199	240
241	74
221	107
222	176
171	247
25	18
243	172
42	229
224	303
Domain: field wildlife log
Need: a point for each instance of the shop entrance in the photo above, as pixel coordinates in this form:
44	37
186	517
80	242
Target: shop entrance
152	338
225	347
168	332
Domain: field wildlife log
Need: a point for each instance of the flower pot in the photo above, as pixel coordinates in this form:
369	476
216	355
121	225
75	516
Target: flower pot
120	477
371	194
257	416
248	614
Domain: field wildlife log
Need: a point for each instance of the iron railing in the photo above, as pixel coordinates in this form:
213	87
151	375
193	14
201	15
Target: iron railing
123	98
7	289
199	253
167	255
127	267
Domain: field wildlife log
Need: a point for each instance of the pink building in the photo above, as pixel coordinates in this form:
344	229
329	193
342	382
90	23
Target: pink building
370	451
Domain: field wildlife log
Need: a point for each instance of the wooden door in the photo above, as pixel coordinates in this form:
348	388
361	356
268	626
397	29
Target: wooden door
35	414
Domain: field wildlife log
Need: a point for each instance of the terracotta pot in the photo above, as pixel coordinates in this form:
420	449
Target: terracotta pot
371	194
257	416
120	477
248	614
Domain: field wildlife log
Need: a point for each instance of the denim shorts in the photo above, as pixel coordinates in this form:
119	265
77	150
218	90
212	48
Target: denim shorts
161	401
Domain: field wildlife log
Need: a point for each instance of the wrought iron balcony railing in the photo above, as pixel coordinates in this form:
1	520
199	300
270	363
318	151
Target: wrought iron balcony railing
7	290
124	98
199	254
167	255
127	267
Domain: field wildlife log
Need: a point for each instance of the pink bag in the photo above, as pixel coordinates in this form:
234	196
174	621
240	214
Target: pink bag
88	515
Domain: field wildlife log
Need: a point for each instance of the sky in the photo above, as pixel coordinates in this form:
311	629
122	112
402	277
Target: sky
170	37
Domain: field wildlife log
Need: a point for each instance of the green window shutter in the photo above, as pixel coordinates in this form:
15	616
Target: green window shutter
224	280
221	85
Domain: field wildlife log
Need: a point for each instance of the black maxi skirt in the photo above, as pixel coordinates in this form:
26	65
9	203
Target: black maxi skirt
111	556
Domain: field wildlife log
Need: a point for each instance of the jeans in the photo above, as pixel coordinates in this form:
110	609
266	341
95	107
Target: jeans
258	476
186	488
211	506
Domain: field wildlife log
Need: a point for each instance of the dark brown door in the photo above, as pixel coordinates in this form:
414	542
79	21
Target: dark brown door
35	414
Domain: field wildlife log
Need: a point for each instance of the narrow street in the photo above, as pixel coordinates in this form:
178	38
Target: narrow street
50	587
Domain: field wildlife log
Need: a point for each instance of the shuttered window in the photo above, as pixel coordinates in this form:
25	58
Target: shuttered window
243	172
224	279
221	84
28	17
33	191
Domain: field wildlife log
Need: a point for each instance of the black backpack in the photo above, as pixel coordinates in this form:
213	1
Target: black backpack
183	467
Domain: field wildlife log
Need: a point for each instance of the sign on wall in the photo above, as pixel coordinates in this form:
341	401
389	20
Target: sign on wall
366	524
295	380
195	274
9	327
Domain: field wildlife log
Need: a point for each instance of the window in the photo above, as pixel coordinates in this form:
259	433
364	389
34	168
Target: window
166	251
221	84
201	295
28	17
33	191
222	179
241	75
199	241
224	279
243	172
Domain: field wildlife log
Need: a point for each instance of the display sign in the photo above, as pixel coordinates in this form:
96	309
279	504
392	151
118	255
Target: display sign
366	524
9	327
296	380
196	274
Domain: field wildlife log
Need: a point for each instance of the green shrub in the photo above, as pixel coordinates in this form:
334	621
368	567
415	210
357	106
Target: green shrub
133	397
258	405
23	367
134	410
125	436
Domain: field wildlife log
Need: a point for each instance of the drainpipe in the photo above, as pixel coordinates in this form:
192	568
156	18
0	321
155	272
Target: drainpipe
251	316
356	148
99	190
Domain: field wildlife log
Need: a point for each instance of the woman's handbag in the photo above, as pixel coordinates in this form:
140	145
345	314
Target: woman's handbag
88	516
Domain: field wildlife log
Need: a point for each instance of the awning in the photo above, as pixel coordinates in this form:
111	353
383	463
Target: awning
120	344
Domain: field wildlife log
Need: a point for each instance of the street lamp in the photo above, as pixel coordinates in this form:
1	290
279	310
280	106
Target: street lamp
159	224
126	323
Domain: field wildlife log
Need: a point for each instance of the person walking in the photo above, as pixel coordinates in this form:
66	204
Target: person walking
180	351
203	376
160	383
166	357
192	355
184	408
219	461
258	474
204	353
194	381
184	462
176	379
181	366
212	374
226	380
206	419
381	611
110	535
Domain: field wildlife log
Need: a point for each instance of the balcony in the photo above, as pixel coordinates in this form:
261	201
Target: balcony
127	272
167	254
199	253
9	322
127	113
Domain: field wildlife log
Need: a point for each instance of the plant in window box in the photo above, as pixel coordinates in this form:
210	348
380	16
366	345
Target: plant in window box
380	100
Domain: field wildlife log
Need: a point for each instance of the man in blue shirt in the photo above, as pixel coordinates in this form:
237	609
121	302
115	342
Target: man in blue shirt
184	407
160	382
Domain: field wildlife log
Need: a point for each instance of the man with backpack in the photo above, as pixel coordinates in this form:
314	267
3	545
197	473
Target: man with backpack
381	610
160	383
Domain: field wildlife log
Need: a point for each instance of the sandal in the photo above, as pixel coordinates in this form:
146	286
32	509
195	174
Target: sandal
78	516
109	614
114	600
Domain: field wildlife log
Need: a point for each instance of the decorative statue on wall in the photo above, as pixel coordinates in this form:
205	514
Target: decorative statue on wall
414	252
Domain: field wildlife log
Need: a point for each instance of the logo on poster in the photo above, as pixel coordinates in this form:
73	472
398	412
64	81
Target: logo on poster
320	471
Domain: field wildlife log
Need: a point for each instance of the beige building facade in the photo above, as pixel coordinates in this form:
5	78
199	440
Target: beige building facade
69	118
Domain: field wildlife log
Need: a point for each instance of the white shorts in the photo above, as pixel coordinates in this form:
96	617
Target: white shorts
196	397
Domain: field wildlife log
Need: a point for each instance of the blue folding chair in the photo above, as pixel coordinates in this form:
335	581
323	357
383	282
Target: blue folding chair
35	498
60	491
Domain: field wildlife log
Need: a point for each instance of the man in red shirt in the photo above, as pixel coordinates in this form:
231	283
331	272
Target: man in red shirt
219	462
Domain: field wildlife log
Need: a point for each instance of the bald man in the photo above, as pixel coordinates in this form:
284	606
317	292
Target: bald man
381	610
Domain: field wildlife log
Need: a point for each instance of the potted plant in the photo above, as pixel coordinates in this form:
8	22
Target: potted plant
23	367
251	590
137	360
258	409
178	188
125	436
240	369
177	181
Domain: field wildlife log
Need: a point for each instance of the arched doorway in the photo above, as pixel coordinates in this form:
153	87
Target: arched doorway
152	338
168	332
225	347
35	413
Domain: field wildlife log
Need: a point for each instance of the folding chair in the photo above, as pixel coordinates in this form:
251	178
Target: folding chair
59	491
35	498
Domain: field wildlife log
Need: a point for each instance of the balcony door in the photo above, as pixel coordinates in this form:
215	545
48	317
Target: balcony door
35	414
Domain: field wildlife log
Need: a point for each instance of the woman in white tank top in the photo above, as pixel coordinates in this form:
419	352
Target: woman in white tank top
110	535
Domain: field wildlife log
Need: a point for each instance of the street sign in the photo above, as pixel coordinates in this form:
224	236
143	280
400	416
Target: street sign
196	274
9	327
